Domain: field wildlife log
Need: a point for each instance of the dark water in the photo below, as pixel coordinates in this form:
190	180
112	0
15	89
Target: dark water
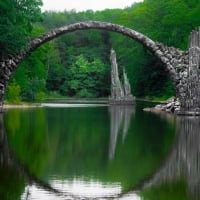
98	152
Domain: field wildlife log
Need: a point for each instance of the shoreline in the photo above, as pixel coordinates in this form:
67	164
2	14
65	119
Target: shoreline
7	106
74	100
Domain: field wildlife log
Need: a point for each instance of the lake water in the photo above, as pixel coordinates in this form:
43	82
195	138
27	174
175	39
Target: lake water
95	151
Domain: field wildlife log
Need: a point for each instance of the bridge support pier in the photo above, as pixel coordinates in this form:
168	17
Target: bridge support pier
7	67
1	99
2	91
1	106
190	104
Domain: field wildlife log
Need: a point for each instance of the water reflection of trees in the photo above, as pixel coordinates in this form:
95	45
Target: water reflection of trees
8	160
24	179
120	116
184	158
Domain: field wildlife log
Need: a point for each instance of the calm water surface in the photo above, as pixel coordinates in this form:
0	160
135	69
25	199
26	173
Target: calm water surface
98	152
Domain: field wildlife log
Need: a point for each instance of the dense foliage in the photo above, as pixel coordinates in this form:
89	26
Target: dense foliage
16	20
77	64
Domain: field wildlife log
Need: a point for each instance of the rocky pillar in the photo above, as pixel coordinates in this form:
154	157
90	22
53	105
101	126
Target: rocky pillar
120	93
127	88
117	92
192	95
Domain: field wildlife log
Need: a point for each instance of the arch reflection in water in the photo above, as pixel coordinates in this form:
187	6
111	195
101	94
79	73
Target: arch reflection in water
10	163
183	160
67	155
120	116
74	190
34	188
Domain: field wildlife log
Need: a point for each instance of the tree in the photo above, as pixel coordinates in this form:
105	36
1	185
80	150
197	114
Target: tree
16	20
32	73
56	72
86	78
169	22
13	93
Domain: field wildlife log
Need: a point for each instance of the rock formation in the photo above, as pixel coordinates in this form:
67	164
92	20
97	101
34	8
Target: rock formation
117	92
120	94
127	88
192	102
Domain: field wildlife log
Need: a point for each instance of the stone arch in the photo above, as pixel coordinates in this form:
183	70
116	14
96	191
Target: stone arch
158	49
169	56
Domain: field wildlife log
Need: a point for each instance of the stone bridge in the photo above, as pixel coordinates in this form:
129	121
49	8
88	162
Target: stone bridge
182	66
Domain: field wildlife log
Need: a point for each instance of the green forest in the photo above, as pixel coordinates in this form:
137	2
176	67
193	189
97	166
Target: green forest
78	64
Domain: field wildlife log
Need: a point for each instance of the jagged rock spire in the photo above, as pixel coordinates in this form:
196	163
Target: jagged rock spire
127	87
117	91
120	94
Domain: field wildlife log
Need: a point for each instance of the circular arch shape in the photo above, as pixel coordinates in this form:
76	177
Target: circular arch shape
144	40
163	53
158	49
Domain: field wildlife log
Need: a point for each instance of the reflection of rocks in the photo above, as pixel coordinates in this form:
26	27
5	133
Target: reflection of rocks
120	116
183	161
127	111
